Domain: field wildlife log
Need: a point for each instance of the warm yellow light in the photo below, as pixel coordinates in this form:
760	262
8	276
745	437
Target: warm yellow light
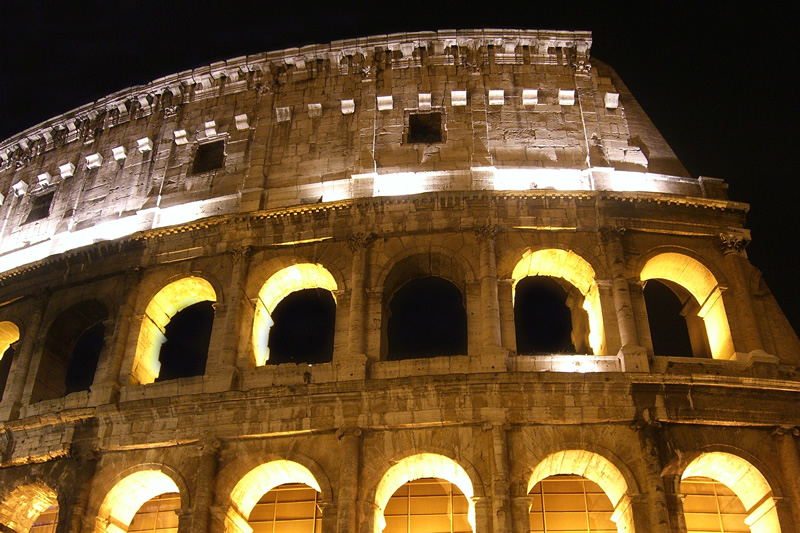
23	505
9	334
175	297
571	267
126	497
702	285
277	287
421	466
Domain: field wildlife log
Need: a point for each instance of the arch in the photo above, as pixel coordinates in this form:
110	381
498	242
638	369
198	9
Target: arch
9	334
746	481
420	466
700	282
569	266
276	288
23	505
126	497
171	299
593	467
257	482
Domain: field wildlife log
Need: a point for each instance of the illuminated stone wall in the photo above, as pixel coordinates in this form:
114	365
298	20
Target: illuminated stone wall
319	187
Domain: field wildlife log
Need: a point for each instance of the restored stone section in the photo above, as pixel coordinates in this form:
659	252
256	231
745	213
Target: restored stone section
246	181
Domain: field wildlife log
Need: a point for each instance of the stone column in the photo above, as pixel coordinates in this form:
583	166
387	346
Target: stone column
733	245
521	510
18	377
490	308
508	333
633	357
349	451
233	316
655	497
204	485
359	244
86	466
501	498
790	466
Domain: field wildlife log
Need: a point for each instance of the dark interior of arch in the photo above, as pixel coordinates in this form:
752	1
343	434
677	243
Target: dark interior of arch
185	352
542	318
427	318
669	330
5	369
71	351
304	324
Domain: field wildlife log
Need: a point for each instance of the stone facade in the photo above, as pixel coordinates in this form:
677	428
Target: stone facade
541	164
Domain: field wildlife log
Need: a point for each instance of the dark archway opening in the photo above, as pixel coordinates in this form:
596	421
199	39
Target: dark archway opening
185	352
85	355
303	329
5	369
427	318
542	317
675	328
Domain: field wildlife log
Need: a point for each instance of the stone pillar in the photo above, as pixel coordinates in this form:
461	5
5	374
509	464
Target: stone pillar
790	466
359	244
18	377
349	451
75	513
233	316
501	497
521	510
655	495
490	307
483	511
733	245
204	485
632	356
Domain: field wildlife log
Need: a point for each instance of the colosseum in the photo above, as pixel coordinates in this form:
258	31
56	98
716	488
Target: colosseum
446	281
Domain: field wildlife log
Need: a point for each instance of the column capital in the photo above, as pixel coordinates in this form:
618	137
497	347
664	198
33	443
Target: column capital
786	430
486	231
734	241
360	240
350	431
609	233
241	253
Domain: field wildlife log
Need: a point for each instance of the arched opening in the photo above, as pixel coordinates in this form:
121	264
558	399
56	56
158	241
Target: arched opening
575	489
295	278
71	351
165	305
742	479
276	496
427	318
548	318
685	275
303	329
675	328
438	487
427	505
577	278
9	334
566	503
31	504
129	496
157	515
185	350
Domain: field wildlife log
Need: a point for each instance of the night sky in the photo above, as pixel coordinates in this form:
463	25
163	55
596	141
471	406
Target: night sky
715	83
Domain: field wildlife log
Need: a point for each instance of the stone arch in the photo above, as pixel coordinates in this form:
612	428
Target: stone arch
257	482
167	302
593	467
420	466
698	280
279	285
20	508
745	480
132	489
9	334
575	270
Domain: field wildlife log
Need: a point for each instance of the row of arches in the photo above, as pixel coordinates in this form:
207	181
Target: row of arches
555	296
569	490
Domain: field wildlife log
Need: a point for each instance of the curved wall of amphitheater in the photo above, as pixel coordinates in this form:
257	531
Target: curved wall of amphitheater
480	157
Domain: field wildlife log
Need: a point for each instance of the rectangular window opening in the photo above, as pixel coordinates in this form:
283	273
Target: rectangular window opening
425	128
40	207
209	156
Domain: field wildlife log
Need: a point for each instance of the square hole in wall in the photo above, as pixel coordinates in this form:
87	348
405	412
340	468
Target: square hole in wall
424	128
209	156
40	207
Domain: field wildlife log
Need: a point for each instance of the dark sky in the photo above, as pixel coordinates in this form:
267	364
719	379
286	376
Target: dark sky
716	83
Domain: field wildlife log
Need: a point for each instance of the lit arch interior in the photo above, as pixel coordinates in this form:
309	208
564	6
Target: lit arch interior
701	283
574	269
126	497
745	481
9	334
260	480
276	288
171	299
424	465
593	467
23	505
